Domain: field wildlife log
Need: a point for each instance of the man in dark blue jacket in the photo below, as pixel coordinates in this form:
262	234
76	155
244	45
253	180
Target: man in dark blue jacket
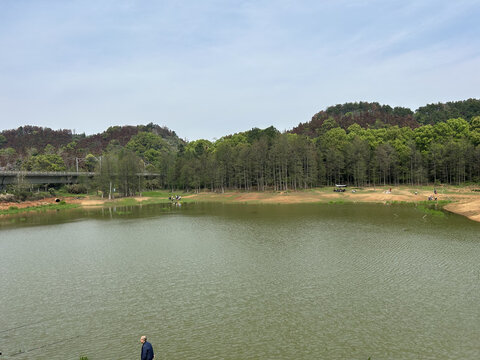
147	349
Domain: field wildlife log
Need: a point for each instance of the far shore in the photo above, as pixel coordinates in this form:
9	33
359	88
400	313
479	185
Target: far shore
464	200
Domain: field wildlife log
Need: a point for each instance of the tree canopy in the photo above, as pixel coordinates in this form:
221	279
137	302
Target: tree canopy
355	143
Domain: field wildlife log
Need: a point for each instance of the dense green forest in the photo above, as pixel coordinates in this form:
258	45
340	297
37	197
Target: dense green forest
355	143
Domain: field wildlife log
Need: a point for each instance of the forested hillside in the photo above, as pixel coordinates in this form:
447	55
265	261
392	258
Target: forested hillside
373	115
434	113
358	144
38	148
367	115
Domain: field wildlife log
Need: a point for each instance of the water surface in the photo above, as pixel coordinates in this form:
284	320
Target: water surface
213	281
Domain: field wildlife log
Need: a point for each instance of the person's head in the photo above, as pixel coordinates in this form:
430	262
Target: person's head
143	339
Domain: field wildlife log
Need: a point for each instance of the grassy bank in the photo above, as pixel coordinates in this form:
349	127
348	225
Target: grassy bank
38	208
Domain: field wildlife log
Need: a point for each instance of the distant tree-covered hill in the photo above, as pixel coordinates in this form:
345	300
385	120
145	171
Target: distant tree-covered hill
121	135
376	116
434	113
26	141
27	137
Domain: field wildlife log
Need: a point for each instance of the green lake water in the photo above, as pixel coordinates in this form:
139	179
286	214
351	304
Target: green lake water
214	281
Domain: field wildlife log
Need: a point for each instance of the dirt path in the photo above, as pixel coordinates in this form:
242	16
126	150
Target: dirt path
25	204
366	195
84	201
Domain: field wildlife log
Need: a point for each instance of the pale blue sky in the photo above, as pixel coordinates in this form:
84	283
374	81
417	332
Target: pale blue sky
211	68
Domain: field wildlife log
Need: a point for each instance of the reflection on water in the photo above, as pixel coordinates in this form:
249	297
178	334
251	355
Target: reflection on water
213	281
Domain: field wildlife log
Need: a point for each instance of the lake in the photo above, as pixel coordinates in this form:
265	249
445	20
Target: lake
224	281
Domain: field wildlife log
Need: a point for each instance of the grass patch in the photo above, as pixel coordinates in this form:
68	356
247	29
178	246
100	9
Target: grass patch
121	202
157	193
434	204
64	193
155	201
397	202
430	211
433	208
134	202
40	208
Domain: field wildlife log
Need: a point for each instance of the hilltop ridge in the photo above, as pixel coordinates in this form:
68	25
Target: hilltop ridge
375	115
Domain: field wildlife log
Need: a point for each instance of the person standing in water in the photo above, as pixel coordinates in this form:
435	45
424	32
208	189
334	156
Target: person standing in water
147	349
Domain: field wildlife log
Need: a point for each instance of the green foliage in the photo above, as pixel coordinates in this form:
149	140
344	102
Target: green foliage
161	194
199	148
354	143
76	189
442	153
430	211
337	202
71	146
109	133
119	172
460	127
7	157
145	141
475	123
329	124
152	184
15	210
45	162
335	138
91	162
20	189
256	134
106	174
434	113
49	150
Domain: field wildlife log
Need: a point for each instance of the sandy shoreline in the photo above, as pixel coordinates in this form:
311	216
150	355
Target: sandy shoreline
465	202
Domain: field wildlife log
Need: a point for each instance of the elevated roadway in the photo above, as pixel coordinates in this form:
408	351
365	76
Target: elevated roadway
48	177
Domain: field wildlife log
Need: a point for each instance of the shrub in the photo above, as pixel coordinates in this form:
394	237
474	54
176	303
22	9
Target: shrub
22	195
37	196
152	184
76	189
